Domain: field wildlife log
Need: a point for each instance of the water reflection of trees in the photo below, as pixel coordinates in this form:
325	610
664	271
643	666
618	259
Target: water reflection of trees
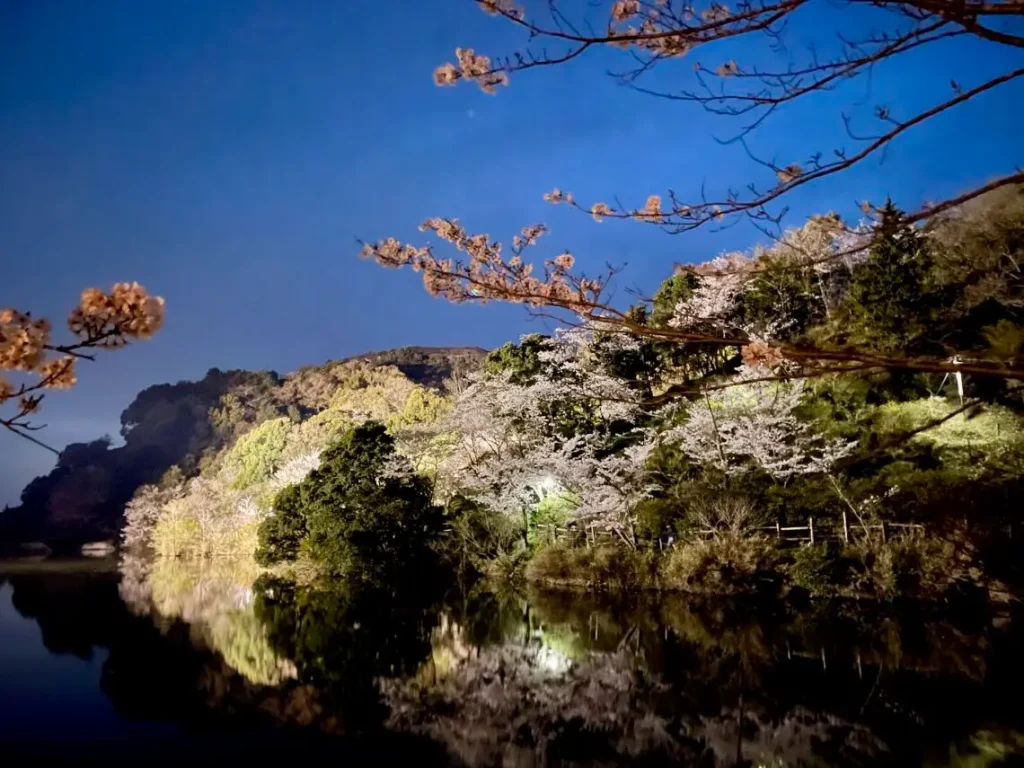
585	678
344	636
550	678
214	597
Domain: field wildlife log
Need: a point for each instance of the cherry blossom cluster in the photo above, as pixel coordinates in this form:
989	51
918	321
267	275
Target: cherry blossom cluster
100	320
722	281
471	66
654	28
823	245
485	273
505	455
754	424
295	470
128	311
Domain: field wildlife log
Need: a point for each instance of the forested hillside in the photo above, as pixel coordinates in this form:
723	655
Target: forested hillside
185	426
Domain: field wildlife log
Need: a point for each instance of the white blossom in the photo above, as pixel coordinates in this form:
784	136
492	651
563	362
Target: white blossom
755	423
295	471
721	282
506	455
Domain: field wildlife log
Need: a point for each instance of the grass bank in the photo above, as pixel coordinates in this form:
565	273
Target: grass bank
907	567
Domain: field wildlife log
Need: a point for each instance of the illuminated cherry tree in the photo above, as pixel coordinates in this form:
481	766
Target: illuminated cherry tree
754	424
505	453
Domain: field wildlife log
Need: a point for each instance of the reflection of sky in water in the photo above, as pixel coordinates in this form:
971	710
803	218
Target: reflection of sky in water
47	696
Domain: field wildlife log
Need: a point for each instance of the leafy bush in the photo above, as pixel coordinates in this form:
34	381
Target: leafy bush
602	567
730	562
820	569
907	566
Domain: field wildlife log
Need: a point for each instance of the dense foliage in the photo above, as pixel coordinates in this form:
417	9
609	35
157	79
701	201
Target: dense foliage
363	508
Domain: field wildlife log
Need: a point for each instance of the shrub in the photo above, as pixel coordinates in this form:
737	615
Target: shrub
820	569
602	567
908	566
730	562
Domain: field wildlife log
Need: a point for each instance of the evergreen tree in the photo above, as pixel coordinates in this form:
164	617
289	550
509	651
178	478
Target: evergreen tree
362	510
281	534
889	299
522	359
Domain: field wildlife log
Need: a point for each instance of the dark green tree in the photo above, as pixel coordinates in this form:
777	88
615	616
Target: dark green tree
363	509
523	359
783	296
281	534
889	302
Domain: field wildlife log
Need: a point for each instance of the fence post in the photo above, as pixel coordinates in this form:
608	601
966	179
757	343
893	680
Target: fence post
778	529
846	529
810	527
883	532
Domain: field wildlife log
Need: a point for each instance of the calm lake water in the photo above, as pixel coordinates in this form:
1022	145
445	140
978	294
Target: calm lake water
172	662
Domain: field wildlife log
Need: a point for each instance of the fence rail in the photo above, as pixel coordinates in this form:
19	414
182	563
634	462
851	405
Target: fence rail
812	532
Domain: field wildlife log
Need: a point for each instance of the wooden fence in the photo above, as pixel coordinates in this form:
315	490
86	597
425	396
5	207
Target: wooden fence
811	533
817	532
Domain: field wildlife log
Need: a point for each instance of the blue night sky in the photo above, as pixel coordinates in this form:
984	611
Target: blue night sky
228	155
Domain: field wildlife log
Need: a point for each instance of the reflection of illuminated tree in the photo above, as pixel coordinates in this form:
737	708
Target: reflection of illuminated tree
215	598
580	676
514	703
344	635
555	677
523	702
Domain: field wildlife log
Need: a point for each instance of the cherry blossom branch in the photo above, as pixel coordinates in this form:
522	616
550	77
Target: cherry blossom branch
487	275
676	391
680	217
653	32
100	320
13	428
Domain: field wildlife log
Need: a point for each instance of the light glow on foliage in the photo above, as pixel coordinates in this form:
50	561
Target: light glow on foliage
754	424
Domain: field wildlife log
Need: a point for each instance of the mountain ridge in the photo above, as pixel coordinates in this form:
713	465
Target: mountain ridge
183	424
